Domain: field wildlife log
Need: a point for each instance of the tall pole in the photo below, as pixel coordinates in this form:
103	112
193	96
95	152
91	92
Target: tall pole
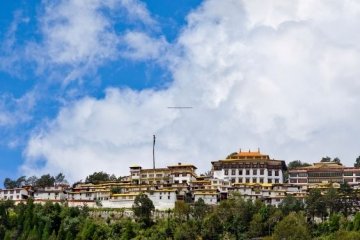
154	152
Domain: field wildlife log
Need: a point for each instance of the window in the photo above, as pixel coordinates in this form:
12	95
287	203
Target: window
176	174
226	172
261	171
293	181
18	191
143	175
254	180
240	172
240	180
233	180
169	197
151	175
247	172
276	180
269	180
269	173
233	172
255	172
184	181
247	180
302	174
160	197
159	175
261	180
184	174
348	173
276	172
176	182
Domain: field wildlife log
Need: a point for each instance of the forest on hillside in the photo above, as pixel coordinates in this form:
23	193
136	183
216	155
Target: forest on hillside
332	215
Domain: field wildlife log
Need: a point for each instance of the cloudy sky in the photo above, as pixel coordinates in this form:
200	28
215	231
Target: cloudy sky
84	84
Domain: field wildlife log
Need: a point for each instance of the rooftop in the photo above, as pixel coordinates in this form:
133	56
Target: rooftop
246	155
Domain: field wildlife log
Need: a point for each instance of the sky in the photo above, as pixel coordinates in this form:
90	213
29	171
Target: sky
85	84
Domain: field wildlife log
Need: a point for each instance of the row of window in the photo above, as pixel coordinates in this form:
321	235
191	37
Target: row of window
325	174
298	174
11	197
247	172
254	180
11	191
298	180
161	175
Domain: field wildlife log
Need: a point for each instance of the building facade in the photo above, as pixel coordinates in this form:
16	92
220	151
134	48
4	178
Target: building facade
325	172
249	167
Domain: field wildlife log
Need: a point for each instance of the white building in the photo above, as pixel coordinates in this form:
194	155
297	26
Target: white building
162	199
249	167
16	194
55	194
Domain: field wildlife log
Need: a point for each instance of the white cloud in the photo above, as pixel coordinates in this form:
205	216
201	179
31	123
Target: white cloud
78	36
16	110
141	46
285	79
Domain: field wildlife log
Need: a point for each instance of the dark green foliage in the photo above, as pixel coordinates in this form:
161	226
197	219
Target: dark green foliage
45	181
296	164
234	218
291	204
143	208
292	227
357	162
98	177
9	184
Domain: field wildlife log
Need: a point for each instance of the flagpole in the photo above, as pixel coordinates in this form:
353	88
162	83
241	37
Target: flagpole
154	152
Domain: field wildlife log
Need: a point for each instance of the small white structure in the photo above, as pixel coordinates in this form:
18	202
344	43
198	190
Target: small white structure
54	194
16	194
162	199
210	197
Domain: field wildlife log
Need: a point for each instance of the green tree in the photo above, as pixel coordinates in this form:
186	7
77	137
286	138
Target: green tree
186	231
60	179
325	159
357	162
182	210
296	164
200	209
256	227
31	181
45	181
315	204
9	184
211	228
97	177
292	227
20	181
336	160
291	204
143	208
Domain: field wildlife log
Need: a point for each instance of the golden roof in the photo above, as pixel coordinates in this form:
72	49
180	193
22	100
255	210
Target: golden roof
325	165
247	155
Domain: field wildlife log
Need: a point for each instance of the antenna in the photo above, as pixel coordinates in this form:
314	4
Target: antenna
154	152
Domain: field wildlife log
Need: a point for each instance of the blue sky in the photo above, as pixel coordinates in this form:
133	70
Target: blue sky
21	77
85	84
